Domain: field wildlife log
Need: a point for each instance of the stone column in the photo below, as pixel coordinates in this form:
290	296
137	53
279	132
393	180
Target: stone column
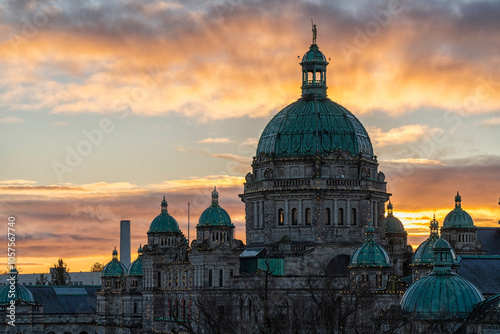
335	213
299	216
348	212
286	213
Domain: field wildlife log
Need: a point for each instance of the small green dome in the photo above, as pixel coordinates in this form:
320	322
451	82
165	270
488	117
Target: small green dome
393	224
114	268
214	215
21	292
424	255
164	222
458	218
314	55
135	268
442	294
370	253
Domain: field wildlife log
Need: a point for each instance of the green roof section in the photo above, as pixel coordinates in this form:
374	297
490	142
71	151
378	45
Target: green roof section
215	215
114	268
314	128
164	222
314	125
424	255
458	217
18	293
393	224
135	268
442	294
370	253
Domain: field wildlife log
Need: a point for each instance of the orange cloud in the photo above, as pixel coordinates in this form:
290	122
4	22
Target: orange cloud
233	61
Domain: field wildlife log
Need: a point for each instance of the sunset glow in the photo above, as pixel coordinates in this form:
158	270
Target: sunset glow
103	115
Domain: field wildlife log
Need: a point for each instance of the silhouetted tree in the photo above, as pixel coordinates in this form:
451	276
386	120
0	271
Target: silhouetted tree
60	274
42	280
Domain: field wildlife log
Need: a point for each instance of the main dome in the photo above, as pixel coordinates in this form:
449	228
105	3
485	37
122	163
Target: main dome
314	125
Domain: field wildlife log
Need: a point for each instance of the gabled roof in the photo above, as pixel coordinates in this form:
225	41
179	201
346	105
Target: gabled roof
481	270
490	238
65	299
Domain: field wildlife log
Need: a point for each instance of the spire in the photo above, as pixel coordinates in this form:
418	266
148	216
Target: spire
139	251
434	225
314	71
115	254
390	212
164	205
458	201
215	197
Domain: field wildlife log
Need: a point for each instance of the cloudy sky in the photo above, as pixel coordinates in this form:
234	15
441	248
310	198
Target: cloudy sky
106	106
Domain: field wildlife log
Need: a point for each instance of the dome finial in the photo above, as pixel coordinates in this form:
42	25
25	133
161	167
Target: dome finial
314	31
458	201
215	197
139	251
164	205
115	254
390	208
434	225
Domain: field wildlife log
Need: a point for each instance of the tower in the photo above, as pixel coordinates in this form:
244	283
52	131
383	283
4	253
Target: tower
125	242
314	184
459	230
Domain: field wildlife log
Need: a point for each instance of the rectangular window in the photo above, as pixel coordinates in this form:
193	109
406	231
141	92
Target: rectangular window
210	283
221	278
159	280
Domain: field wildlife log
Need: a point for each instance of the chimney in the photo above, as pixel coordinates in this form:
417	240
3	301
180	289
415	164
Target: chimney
125	242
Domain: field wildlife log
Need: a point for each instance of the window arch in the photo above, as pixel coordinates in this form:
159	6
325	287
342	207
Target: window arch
328	217
281	217
295	216
353	216
308	216
340	214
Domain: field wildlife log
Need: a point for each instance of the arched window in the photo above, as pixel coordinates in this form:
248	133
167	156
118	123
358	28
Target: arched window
281	217
353	216
170	311
340	217
176	312
308	216
295	216
328	218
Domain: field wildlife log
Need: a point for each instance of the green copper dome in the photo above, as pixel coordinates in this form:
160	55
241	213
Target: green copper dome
442	294
424	255
114	268
314	55
393	224
135	268
370	253
164	222
21	293
314	125
214	215
458	218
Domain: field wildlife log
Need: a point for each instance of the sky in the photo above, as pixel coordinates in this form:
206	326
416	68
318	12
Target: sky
107	106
